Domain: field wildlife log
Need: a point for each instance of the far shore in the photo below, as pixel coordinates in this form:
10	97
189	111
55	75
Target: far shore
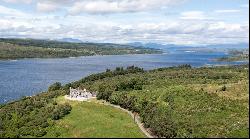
75	57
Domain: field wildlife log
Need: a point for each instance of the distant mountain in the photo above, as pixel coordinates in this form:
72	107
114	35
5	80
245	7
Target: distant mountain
70	40
167	47
163	47
230	46
136	44
155	45
172	48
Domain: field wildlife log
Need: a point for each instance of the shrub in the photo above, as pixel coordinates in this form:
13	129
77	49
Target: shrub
223	88
188	66
39	133
55	86
132	84
60	111
158	118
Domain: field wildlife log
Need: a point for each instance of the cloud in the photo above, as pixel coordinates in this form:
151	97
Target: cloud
75	7
193	15
227	11
121	6
27	27
190	27
18	1
245	5
47	7
11	12
9	28
53	5
175	32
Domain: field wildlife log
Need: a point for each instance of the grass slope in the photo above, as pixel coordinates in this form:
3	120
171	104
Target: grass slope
192	98
89	119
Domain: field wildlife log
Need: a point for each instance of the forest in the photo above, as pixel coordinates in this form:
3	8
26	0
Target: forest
31	48
172	102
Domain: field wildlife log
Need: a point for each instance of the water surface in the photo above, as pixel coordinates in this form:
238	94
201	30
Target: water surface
27	77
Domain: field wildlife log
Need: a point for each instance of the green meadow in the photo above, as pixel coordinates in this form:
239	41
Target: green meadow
90	119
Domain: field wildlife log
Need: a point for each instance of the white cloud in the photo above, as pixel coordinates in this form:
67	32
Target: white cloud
191	27
18	1
11	12
176	32
193	15
115	6
227	11
53	5
245	5
47	7
27	27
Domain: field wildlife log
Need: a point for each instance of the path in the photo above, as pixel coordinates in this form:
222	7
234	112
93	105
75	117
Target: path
137	119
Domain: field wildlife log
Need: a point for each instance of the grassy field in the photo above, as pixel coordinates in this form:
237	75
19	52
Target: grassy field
89	119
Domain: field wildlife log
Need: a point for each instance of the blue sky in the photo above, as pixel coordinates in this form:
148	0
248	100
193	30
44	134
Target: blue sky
192	22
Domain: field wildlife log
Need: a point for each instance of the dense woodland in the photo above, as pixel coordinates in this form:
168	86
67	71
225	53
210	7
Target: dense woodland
30	48
172	102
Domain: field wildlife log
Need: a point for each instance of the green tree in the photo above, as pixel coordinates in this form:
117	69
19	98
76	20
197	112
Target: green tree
55	86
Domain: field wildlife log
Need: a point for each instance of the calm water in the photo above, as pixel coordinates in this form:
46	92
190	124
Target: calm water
30	76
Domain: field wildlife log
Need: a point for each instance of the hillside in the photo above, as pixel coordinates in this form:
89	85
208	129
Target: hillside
172	102
30	48
92	120
181	101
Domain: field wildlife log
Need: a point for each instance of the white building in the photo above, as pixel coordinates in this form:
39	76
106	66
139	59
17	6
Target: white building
81	95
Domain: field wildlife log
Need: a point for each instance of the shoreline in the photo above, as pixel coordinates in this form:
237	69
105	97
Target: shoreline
205	66
17	59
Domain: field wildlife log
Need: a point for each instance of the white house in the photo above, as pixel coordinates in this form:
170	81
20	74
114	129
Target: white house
81	95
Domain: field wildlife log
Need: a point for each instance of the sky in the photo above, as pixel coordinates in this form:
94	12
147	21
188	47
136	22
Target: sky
180	22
